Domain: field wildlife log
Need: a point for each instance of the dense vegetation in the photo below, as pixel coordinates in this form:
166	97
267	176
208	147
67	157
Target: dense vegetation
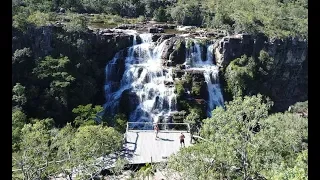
245	75
246	142
275	18
57	122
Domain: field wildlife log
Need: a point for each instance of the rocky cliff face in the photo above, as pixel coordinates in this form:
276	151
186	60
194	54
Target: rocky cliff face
288	82
89	52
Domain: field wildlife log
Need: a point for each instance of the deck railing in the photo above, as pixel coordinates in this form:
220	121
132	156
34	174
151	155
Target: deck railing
149	126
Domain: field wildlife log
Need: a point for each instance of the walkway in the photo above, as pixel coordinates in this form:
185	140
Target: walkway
141	146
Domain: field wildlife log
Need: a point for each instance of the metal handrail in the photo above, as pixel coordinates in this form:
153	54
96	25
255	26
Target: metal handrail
152	123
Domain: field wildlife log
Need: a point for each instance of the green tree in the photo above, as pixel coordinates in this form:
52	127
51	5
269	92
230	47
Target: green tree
195	121
226	153
91	145
243	142
22	65
62	142
281	138
19	119
77	24
54	71
145	171
265	65
19	96
120	122
38	18
195	162
187	12
299	107
35	153
160	15
41	5
87	115
240	75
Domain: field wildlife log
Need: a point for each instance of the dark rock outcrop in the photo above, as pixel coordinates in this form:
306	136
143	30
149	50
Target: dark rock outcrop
174	52
128	102
89	52
288	80
155	30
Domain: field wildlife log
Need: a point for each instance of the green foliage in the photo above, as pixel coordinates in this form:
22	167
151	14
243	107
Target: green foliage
141	19
35	151
299	107
187	12
40	5
239	75
145	171
160	15
195	162
20	21
179	88
19	96
119	166
196	87
62	142
194	119
78	23
18	121
278	19
120	123
265	63
45	150
298	171
38	18
55	70
20	55
91	142
87	115
281	137
243	142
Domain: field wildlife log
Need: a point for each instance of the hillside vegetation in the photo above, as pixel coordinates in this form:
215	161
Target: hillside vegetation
275	18
57	121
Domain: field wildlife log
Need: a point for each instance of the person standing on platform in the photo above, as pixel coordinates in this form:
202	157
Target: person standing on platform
156	129
182	140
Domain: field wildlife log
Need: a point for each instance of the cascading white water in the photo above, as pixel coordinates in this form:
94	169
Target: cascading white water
210	72
144	76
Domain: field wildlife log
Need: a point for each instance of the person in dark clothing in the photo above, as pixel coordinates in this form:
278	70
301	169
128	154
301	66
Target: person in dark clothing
182	140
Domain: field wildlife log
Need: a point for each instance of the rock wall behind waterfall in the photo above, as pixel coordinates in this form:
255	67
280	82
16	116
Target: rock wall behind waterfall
288	82
88	52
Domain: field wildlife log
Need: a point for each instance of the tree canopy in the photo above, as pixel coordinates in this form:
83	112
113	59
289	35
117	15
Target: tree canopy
245	142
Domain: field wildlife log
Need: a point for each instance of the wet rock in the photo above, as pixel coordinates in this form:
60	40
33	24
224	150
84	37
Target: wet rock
153	30
128	102
165	26
155	37
164	37
178	73
168	83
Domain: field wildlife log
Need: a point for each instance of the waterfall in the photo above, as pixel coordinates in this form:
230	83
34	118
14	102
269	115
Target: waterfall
144	76
210	73
153	84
